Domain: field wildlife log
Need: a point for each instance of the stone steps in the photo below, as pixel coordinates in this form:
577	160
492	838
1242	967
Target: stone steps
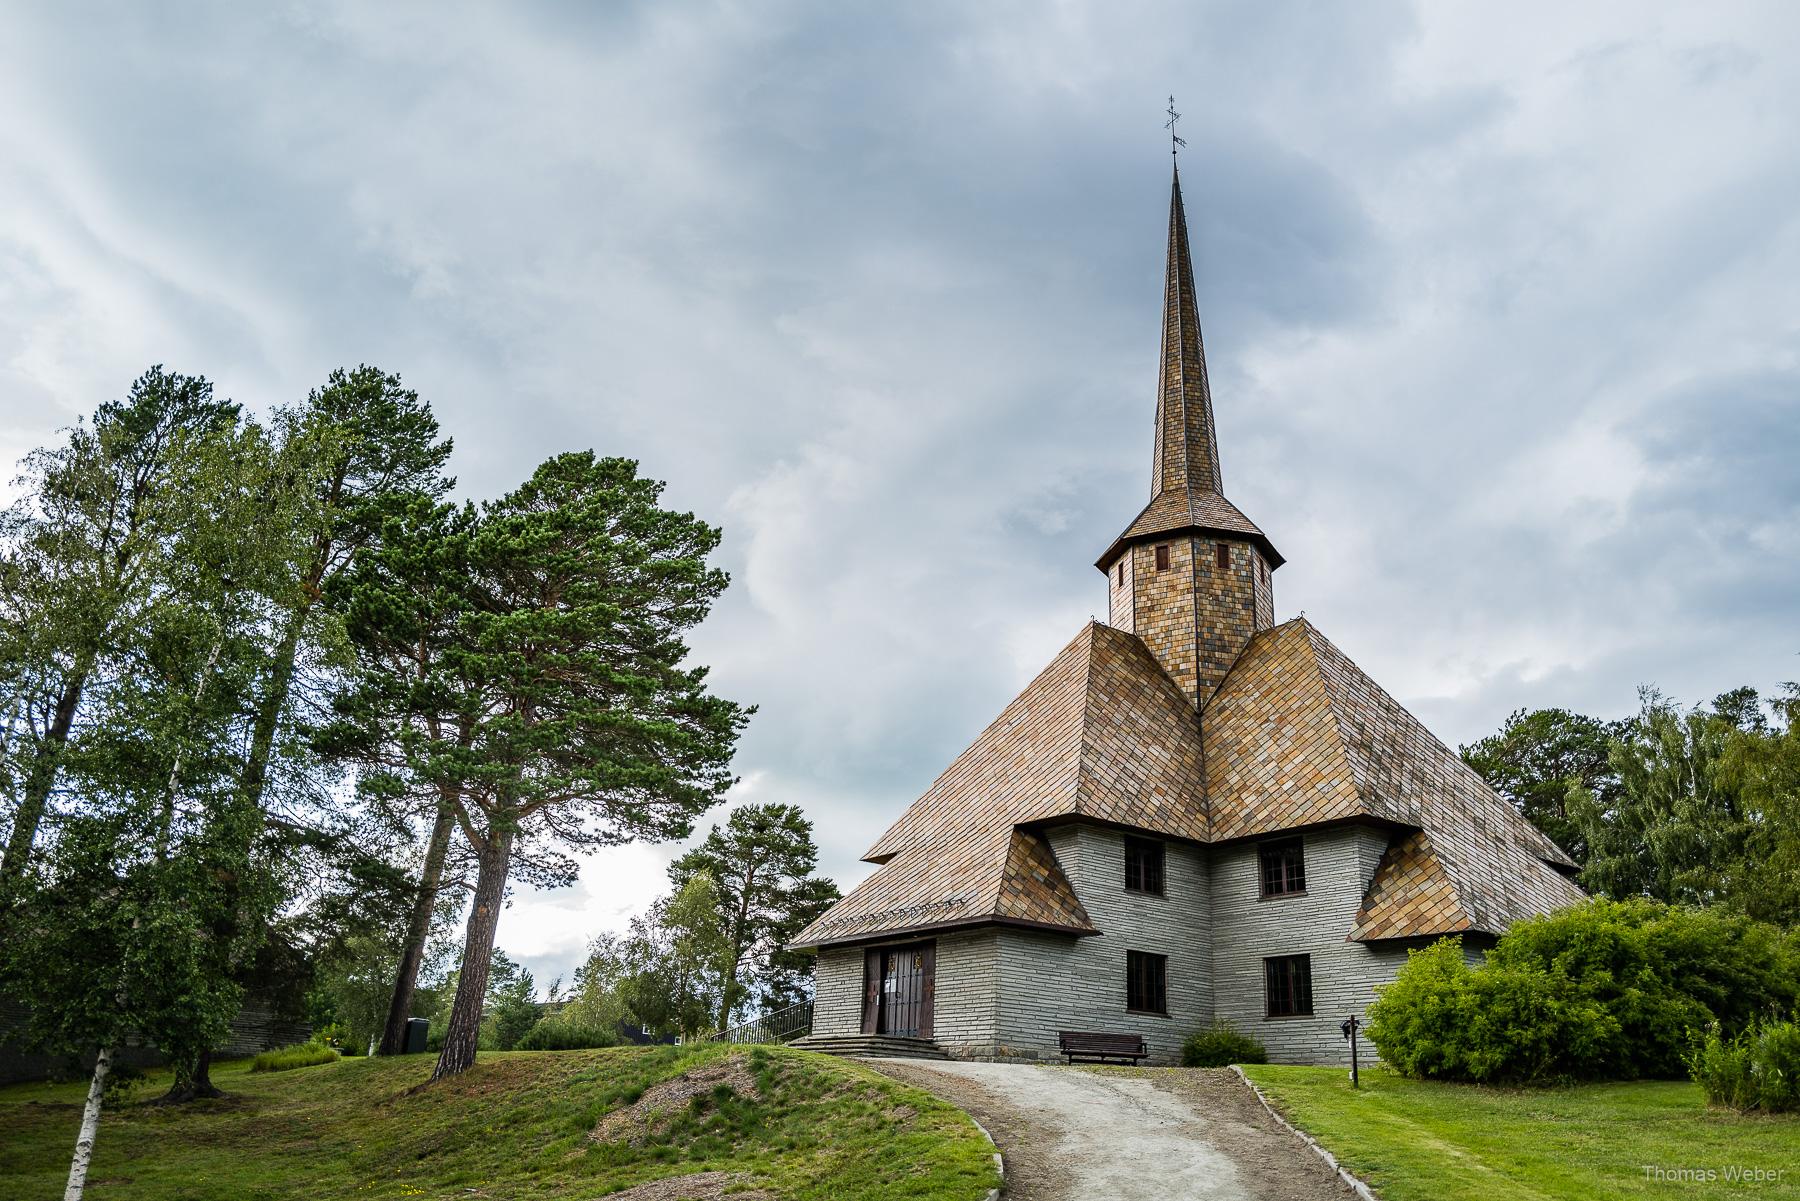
865	1045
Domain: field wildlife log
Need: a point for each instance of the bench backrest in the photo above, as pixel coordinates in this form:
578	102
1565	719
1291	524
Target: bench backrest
1082	1040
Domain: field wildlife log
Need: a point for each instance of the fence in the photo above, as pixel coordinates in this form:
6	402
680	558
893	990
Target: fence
782	1026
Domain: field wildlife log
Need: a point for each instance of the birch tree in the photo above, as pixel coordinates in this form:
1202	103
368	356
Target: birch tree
84	549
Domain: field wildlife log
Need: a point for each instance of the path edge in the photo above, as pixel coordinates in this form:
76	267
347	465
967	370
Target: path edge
1356	1183
993	1194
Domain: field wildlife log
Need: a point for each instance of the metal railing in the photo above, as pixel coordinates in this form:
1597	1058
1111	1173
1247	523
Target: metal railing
782	1026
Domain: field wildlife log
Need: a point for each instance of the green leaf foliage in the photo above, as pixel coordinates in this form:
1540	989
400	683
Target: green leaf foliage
1756	1070
1605	990
761	863
1221	1045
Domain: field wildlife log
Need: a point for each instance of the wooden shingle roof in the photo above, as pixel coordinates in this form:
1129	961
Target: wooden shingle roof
1298	735
1102	733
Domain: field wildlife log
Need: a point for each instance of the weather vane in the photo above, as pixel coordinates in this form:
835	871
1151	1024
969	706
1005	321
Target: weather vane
1175	143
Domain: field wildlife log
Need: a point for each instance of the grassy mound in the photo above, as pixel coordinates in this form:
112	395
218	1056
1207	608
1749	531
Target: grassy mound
557	1124
286	1059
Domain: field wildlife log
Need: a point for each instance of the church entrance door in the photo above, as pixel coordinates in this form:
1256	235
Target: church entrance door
900	984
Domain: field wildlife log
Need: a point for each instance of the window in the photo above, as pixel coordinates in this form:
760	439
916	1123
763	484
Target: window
1222	556
1162	557
1289	983
1146	982
1283	868
1121	571
1143	865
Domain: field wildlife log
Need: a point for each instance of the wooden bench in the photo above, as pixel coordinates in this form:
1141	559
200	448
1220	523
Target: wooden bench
1099	1048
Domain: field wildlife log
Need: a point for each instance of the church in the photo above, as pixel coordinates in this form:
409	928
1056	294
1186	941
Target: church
1192	813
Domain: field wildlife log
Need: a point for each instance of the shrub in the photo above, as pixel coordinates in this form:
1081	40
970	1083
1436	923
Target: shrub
1758	1069
1604	990
555	1033
1443	1019
1221	1044
284	1059
1664	974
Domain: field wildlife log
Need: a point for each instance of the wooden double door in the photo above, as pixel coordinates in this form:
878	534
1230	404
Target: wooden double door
899	988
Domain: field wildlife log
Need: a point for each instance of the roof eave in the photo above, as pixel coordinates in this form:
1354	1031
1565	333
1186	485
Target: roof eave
1260	541
872	936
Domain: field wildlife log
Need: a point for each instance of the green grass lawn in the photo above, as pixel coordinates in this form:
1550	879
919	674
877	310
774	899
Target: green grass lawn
515	1126
1418	1141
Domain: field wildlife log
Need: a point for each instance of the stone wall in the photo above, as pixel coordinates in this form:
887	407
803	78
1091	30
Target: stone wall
963	1000
1004	992
1248	928
1120	582
1052	982
256	1028
837	990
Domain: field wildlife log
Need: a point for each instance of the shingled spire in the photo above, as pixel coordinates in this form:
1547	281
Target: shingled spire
1190	575
1187	451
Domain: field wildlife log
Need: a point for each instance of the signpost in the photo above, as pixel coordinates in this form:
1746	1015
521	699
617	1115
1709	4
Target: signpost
1350	1026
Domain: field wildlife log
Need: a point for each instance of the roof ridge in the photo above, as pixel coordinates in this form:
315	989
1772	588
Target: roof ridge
1087	710
991	729
1342	741
1518	827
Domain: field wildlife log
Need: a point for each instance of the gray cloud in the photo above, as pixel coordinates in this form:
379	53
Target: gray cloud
1499	309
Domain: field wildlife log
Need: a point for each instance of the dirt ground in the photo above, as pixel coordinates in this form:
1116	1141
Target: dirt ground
1131	1134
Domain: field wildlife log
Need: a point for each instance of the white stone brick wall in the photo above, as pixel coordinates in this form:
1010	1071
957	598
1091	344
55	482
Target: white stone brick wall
1051	982
1340	863
837	991
963	1004
1004	992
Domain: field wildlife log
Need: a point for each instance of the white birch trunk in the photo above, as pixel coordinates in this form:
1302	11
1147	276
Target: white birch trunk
90	1126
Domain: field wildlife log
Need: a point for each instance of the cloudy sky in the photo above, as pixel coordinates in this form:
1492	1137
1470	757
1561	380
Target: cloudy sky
1501	304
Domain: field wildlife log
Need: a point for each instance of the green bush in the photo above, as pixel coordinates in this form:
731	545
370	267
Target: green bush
1443	1019
1604	990
1758	1069
1221	1044
284	1059
555	1033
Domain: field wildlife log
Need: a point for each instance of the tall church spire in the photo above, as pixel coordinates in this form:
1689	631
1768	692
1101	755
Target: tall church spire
1191	574
1187	450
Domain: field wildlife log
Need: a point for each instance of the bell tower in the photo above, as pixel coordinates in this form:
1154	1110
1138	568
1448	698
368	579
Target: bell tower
1190	575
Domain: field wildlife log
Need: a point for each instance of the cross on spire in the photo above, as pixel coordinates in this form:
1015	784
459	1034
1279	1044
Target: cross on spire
1175	143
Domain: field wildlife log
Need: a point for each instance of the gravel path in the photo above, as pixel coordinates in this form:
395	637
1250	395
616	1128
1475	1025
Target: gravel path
1130	1134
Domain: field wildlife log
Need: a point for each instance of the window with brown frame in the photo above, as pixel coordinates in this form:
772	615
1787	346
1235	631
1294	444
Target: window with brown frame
1222	556
1146	982
1288	980
1162	557
1121	571
1283	867
1143	866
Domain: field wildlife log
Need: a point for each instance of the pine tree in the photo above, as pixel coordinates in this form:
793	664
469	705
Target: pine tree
761	862
572	722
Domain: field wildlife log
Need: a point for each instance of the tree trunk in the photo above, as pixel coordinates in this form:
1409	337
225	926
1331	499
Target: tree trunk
393	1038
463	1036
193	1081
42	777
90	1128
268	713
